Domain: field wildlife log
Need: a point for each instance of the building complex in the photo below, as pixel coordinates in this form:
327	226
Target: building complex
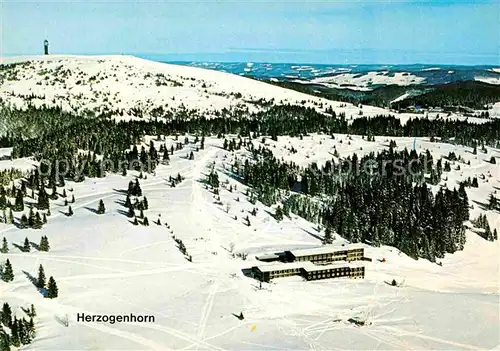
312	264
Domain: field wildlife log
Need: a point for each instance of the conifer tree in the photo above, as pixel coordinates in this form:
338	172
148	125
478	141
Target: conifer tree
32	311
131	189
72	198
10	217
191	156
31	218
136	222
6	314
4	341
279	214
14	334
44	218
8	273
145	203
475	184
19	202
5	247
23	223
38	221
26	245
44	244
43	199
40	282
328	239
131	212
52	290
493	202
137	188
488	234
145	222
70	211
101	209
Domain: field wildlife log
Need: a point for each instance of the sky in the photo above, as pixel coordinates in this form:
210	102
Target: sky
343	32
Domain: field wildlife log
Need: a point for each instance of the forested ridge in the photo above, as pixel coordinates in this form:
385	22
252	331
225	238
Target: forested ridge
471	94
380	208
367	199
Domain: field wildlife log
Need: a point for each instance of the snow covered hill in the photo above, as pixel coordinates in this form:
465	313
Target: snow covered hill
132	87
105	265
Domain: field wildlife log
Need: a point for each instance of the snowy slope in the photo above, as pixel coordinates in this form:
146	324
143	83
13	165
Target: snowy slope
130	88
123	83
365	81
105	265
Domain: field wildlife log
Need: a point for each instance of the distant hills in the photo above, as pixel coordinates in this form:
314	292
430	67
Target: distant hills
361	77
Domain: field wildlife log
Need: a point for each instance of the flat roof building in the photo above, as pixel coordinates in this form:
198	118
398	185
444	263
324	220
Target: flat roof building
326	254
336	270
267	272
308	270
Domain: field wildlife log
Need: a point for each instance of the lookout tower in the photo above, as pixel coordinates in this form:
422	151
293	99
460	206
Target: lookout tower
46	47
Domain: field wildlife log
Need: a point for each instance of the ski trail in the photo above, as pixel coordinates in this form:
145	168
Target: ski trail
207	223
207	309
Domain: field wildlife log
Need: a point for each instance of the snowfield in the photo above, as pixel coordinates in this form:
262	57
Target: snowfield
489	80
129	88
364	82
123	84
103	264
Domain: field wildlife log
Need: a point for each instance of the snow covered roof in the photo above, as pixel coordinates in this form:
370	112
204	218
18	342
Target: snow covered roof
327	249
267	256
278	267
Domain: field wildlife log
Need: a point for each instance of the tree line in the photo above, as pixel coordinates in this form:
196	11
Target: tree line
381	206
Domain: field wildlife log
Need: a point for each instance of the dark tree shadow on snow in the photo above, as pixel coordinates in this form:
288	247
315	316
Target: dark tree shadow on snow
35	245
122	212
482	205
18	246
90	209
34	281
312	234
120	202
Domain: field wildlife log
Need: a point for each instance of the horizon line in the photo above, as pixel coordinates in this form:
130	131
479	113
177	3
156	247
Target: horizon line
149	56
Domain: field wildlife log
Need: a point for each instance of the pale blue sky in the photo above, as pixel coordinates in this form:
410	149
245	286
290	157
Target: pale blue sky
439	31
